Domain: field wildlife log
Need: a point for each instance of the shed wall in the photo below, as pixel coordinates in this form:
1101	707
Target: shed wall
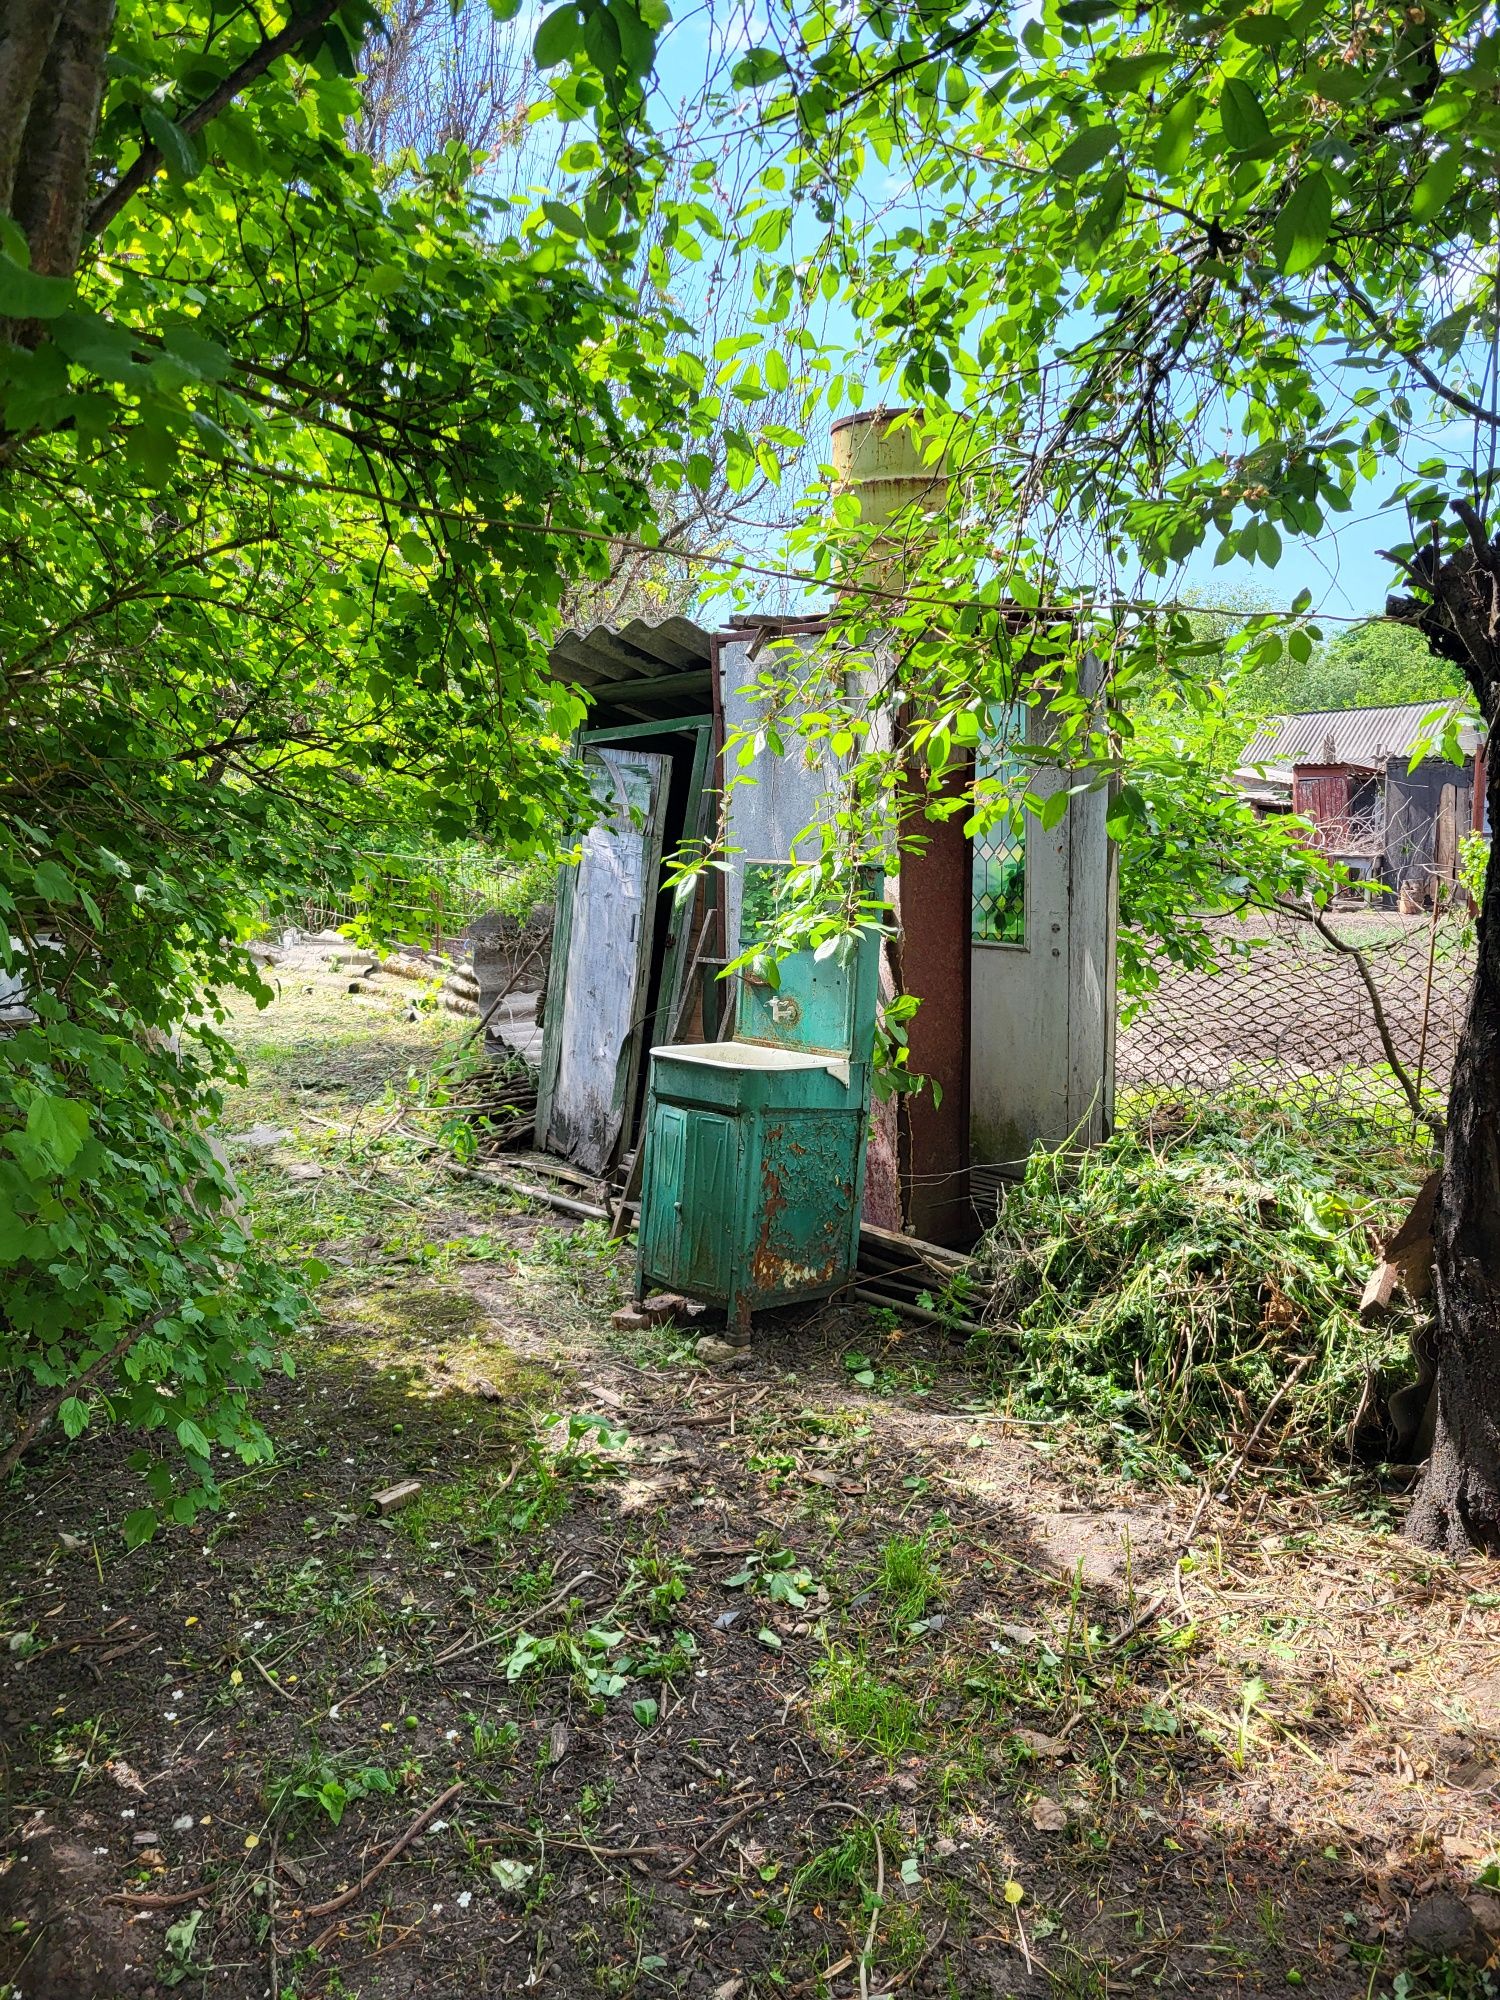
1320	792
1042	1022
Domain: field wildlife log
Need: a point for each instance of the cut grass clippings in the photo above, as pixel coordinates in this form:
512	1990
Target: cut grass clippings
1163	1287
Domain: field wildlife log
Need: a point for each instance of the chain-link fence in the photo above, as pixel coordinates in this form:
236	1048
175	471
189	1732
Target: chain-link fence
1289	1016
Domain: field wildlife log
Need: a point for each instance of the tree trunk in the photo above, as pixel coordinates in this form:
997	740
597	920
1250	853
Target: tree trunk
54	168
26	30
1457	1506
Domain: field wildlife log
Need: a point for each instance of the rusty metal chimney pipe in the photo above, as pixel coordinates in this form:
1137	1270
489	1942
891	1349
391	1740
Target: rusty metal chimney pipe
879	456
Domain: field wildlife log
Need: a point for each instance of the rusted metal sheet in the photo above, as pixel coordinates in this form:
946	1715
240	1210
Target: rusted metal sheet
1320	793
807	1186
934	962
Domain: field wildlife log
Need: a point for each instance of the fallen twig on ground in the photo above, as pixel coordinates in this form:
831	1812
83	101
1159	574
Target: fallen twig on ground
392	1853
714	1838
638	1851
875	1909
150	1899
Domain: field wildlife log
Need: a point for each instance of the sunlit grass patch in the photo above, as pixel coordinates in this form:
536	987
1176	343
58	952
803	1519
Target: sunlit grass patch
854	1708
909	1580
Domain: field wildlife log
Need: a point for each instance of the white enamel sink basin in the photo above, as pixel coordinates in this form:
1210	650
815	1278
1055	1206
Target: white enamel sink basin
743	1055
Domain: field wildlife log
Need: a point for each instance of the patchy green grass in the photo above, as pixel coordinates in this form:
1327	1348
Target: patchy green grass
854	1707
910	1580
841	1868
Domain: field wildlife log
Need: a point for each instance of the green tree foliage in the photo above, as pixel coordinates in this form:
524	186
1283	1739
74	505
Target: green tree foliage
299	456
1368	666
1193	847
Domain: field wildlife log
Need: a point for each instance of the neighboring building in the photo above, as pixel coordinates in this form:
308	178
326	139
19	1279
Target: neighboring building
1348	772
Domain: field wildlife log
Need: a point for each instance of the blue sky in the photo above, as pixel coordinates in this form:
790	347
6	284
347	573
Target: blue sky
1341	570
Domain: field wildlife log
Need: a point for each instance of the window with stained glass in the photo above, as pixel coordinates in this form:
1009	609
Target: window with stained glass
998	898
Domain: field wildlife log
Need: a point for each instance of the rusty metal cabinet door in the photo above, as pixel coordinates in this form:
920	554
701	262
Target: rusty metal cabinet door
688	1216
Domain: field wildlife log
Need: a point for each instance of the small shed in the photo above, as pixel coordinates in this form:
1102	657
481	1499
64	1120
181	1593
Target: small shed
1351	777
1006	939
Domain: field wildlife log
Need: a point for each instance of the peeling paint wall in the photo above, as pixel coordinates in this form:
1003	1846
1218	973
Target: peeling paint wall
1040	1015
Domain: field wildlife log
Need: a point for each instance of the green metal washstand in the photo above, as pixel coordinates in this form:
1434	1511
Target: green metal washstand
755	1147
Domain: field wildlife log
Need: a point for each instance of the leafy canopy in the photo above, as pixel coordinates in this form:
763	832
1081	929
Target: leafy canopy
1158	284
298	460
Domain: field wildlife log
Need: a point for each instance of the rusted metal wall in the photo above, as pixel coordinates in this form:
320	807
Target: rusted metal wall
934	961
1320	793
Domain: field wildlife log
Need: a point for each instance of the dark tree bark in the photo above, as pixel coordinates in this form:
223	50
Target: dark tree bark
1456	606
54	170
26	30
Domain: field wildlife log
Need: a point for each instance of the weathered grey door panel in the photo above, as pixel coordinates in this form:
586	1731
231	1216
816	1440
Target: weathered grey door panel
597	989
1042	1007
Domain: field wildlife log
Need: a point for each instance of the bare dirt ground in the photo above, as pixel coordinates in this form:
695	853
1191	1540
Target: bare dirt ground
675	1683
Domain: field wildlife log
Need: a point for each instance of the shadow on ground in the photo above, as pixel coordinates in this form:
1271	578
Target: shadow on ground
676	1684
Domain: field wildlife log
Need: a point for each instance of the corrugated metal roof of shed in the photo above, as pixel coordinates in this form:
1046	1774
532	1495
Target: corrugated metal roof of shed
1349	735
646	669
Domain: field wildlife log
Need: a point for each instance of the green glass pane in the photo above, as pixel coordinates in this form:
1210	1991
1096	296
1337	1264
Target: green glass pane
998	898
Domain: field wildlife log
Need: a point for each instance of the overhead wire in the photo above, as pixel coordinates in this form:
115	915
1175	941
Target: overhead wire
1083	600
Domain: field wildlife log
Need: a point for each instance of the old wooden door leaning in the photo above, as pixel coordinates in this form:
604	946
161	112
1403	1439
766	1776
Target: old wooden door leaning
598	991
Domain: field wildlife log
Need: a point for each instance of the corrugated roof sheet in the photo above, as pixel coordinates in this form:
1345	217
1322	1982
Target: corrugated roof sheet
643	669
1351	735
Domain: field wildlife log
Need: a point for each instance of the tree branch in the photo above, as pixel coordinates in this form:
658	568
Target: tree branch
43	1412
1413	359
149	160
1479	536
929	52
1325	930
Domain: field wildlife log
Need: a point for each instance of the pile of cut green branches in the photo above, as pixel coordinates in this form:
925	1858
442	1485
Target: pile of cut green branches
1164	1289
